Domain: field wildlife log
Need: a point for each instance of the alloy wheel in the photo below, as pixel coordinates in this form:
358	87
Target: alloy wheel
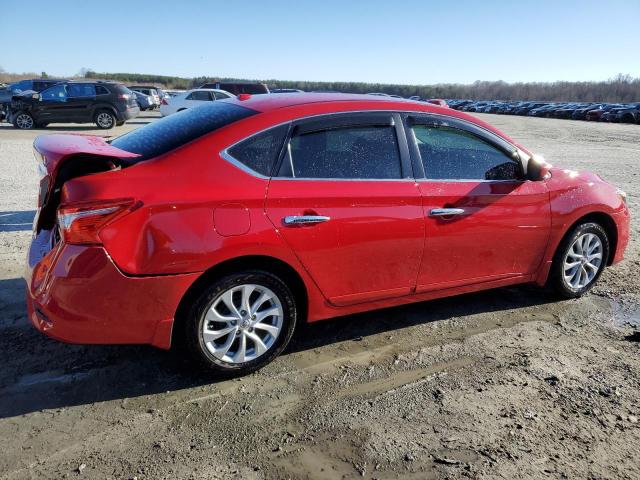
24	121
104	120
242	323
582	261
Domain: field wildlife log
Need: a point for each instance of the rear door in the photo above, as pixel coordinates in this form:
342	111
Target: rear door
484	220
81	98
343	199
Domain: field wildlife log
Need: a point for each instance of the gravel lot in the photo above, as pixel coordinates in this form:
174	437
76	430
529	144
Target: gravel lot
501	384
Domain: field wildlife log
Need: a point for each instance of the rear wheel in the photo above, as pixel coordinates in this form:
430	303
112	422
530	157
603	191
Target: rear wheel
241	322
580	259
23	121
104	119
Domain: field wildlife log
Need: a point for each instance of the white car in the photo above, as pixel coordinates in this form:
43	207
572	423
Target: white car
191	98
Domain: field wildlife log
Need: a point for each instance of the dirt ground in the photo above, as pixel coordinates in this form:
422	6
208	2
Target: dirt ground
507	383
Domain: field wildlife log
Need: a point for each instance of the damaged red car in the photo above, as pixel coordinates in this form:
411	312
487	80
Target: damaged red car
225	225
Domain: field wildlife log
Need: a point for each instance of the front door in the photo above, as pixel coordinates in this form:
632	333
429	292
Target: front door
484	221
343	200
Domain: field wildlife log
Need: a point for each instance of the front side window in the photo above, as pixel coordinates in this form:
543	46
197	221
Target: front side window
260	152
57	93
199	95
450	153
366	152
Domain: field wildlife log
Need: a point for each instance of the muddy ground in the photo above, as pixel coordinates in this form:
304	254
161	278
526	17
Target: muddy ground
502	384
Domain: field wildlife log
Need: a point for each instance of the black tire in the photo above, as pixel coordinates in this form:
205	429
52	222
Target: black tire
119	124
24	121
195	319
104	119
557	279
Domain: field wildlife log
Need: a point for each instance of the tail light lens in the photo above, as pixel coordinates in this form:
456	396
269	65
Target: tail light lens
81	224
124	96
164	102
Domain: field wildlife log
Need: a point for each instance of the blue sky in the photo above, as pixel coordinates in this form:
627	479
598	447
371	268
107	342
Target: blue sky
415	42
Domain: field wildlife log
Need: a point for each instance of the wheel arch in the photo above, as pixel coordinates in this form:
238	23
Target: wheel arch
103	106
603	219
248	262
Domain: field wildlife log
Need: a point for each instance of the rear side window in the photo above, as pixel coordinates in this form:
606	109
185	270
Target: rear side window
367	152
100	90
260	152
81	90
199	95
452	154
175	130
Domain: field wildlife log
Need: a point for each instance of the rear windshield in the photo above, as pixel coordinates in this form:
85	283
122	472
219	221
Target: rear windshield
179	128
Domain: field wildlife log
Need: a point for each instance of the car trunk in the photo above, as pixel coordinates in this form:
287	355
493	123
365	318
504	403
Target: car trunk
61	158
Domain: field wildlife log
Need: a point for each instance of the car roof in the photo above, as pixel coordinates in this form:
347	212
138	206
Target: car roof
264	103
268	102
207	90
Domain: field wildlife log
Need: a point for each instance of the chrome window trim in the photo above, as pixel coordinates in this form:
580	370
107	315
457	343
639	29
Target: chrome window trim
224	153
470	180
237	163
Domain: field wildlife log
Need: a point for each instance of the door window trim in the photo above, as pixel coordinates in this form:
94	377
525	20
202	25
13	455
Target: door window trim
435	120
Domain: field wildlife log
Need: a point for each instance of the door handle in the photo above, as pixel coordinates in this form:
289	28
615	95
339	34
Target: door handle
445	212
304	220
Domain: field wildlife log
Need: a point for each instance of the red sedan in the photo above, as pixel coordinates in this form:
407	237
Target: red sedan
225	225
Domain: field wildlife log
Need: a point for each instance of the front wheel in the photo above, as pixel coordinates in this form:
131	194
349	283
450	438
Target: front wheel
241	322
104	119
23	121
580	259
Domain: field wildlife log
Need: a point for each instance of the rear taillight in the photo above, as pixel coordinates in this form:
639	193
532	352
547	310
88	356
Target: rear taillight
124	96
164	102
81	224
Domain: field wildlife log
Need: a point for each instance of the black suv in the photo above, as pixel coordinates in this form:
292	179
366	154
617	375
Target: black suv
104	103
35	85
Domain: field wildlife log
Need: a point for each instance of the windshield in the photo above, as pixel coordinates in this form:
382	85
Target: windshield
180	128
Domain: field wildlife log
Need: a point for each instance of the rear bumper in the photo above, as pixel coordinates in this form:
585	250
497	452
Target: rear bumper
128	114
76	294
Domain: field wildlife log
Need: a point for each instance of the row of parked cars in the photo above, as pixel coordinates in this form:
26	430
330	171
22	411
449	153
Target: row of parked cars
37	102
592	111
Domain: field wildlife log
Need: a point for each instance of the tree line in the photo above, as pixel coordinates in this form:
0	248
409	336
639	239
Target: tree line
621	88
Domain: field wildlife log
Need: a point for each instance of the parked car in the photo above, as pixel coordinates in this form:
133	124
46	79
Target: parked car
145	102
438	101
225	226
524	108
596	115
581	113
191	98
33	85
629	113
236	88
106	104
151	91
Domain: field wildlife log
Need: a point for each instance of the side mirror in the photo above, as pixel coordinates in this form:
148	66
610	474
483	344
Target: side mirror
538	168
36	96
